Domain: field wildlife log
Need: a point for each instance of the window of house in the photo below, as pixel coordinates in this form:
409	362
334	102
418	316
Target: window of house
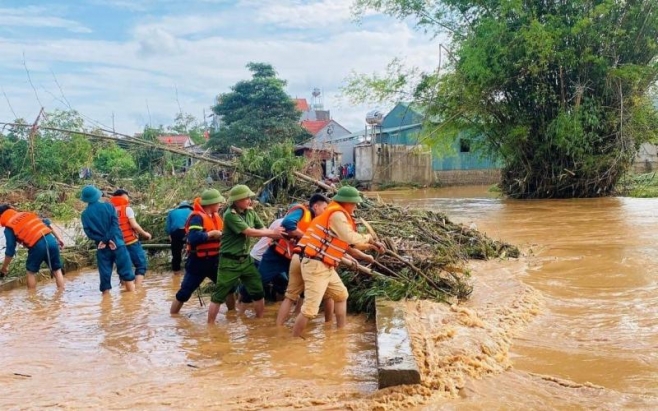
464	145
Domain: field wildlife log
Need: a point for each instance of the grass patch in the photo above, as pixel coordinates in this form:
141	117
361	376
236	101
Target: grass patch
639	185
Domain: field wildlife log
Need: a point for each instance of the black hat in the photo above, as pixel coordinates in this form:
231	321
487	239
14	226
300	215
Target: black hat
4	207
120	192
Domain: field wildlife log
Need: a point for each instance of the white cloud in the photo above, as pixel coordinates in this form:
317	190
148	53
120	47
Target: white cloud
305	14
118	76
182	25
156	41
32	16
144	5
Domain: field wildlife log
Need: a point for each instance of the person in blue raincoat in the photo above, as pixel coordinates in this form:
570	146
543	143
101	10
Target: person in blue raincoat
101	224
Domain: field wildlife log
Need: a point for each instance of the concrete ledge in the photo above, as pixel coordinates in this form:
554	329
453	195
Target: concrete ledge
467	177
396	364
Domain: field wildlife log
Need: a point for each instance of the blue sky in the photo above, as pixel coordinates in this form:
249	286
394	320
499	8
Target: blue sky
129	58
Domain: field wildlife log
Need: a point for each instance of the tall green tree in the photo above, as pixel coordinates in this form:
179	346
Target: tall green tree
556	88
257	113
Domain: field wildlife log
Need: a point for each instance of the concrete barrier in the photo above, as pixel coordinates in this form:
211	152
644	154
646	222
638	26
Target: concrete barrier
396	364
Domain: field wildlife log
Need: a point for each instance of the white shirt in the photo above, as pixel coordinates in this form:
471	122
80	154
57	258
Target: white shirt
261	246
130	213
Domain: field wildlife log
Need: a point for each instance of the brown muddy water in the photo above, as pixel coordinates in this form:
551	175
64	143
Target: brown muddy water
572	325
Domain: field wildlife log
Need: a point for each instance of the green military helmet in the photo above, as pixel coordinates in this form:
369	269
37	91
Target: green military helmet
239	192
211	196
347	194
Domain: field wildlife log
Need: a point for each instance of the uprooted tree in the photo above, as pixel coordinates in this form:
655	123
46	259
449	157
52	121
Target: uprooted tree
556	89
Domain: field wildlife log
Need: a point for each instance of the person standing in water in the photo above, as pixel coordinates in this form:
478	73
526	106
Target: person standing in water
204	232
235	265
131	231
41	240
295	223
330	237
101	224
175	228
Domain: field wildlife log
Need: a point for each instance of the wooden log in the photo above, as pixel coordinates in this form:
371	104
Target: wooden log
156	246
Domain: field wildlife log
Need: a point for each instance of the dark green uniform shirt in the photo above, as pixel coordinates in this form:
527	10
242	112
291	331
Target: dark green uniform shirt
235	243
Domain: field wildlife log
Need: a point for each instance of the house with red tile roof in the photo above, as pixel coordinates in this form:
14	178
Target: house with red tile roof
302	105
323	131
177	141
314	126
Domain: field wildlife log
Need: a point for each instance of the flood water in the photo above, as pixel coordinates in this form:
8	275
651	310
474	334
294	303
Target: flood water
571	325
595	264
74	349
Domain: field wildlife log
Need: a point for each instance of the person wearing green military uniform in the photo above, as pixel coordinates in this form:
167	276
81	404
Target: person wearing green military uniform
235	264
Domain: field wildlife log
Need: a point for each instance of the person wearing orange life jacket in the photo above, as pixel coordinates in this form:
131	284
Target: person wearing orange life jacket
204	231
131	231
281	256
330	237
41	240
275	263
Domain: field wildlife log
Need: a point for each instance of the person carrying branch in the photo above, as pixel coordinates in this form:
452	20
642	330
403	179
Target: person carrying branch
282	255
235	265
329	238
175	228
131	231
41	240
203	230
275	263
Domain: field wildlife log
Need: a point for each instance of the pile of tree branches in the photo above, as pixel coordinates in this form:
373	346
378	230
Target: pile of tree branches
427	253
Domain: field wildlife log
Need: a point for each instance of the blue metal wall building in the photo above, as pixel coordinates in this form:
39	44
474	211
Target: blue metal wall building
403	125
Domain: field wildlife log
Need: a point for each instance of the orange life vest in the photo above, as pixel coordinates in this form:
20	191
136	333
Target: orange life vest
284	246
27	227
214	222
120	204
320	243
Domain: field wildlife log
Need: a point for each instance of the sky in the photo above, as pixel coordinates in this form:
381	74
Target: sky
130	63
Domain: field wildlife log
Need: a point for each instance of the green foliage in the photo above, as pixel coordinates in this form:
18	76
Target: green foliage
275	166
257	113
639	185
557	90
114	161
46	155
397	83
149	159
